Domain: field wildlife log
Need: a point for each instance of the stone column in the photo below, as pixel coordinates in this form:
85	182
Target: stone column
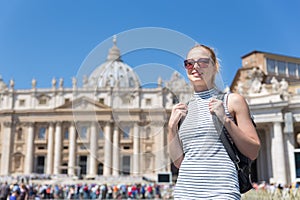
136	149
159	150
93	149
57	148
107	150
6	148
116	152
29	149
290	144
72	149
268	130
50	148
278	158
291	156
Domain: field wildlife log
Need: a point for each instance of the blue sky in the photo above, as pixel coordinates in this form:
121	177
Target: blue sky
45	39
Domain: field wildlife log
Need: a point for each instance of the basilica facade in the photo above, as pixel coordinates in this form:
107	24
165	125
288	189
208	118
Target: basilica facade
112	126
107	126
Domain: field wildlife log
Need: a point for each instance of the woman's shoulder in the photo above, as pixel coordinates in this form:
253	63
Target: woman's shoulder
235	96
236	100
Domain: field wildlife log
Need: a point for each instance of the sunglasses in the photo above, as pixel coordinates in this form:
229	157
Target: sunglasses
202	62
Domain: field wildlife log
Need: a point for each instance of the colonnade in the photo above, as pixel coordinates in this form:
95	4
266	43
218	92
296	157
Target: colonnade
53	164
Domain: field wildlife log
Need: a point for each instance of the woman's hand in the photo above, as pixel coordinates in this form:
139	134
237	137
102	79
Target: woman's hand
178	111
175	147
216	107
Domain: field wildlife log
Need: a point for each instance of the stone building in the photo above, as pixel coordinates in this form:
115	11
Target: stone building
270	83
112	126
109	126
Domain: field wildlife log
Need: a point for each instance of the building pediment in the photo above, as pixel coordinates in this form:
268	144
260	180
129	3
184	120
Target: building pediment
84	104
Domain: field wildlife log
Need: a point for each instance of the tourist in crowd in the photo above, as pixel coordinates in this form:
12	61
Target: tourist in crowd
4	191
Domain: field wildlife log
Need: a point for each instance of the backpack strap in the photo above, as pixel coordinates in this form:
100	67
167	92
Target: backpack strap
230	148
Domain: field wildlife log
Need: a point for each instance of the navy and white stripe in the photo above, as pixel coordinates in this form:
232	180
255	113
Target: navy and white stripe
206	172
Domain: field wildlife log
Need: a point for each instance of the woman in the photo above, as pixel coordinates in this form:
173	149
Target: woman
205	169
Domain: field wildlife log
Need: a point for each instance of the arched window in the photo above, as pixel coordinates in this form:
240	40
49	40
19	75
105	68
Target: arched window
126	132
43	100
83	165
101	134
83	132
126	165
64	169
100	169
66	134
19	134
42	133
40	164
18	161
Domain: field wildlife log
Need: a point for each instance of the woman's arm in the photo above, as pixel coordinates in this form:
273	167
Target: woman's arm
175	147
243	133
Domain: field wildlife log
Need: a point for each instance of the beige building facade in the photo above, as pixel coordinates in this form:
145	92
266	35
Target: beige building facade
270	83
109	126
112	126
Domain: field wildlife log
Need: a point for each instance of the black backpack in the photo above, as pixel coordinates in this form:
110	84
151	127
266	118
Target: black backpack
242	163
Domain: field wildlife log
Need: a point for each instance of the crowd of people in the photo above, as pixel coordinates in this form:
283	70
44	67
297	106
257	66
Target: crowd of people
21	191
273	191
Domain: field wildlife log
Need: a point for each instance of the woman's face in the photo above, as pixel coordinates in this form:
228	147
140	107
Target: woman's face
201	75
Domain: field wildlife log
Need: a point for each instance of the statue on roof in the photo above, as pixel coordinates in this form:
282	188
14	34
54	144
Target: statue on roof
61	83
284	86
74	82
3	86
33	83
257	78
12	83
53	82
275	85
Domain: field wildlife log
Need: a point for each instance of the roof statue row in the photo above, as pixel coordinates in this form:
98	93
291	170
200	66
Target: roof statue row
255	85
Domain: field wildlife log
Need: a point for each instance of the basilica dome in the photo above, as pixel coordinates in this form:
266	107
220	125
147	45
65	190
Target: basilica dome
114	72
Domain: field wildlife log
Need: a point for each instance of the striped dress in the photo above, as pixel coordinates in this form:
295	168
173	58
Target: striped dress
206	172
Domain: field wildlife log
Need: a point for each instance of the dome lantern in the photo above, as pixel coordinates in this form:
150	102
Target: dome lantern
114	52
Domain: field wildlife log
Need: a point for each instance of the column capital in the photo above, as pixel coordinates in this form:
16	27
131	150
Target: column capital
7	124
72	123
51	123
94	122
58	123
107	123
277	122
28	124
143	123
116	127
15	120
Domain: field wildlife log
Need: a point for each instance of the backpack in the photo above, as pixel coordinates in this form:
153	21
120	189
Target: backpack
242	163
